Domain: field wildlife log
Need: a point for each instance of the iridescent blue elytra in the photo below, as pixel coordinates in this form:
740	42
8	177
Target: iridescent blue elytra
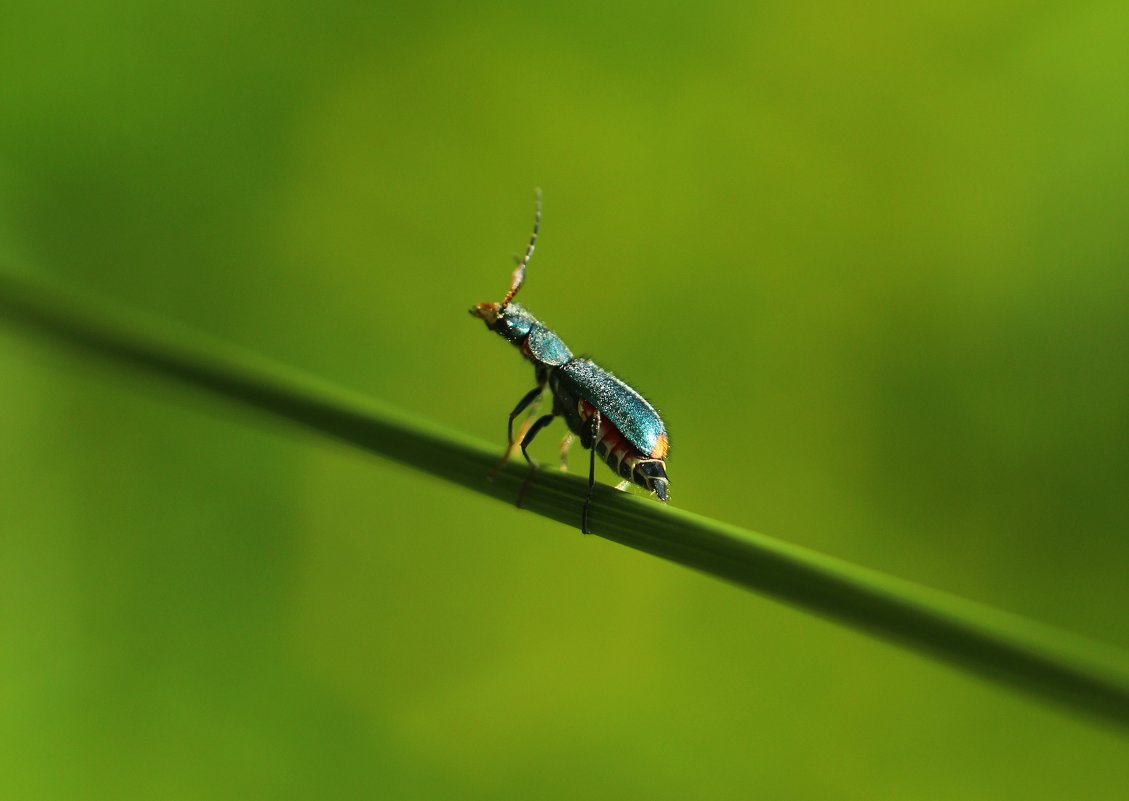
610	418
629	411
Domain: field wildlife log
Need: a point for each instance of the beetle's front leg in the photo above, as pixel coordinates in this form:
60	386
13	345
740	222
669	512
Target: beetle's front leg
528	438
529	397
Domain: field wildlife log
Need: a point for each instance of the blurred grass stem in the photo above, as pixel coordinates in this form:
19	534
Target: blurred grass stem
1047	663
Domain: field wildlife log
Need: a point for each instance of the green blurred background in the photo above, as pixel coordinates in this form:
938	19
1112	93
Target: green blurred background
872	263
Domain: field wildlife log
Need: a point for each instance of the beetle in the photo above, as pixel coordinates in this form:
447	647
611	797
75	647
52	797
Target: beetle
607	416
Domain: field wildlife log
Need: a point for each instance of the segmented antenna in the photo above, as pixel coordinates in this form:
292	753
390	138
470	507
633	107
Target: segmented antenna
519	273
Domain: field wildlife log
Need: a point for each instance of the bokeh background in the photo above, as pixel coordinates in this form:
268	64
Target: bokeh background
871	262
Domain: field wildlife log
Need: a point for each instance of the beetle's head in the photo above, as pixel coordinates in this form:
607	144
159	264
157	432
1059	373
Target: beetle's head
512	321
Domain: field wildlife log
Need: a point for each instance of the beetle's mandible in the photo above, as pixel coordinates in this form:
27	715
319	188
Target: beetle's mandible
605	414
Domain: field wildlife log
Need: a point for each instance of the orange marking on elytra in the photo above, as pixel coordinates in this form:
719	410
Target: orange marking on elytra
661	447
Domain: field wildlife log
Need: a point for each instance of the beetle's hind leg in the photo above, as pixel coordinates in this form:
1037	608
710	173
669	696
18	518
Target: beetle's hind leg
528	438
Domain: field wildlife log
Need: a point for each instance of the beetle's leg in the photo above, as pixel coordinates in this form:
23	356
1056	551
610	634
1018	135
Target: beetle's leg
565	443
528	438
528	398
623	485
530	416
595	423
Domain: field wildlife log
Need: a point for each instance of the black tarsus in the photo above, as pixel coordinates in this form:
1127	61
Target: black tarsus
591	471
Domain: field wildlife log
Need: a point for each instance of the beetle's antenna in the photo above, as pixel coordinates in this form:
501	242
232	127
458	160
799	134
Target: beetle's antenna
519	273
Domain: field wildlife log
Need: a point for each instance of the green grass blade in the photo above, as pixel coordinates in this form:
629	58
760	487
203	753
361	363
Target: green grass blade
1048	663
